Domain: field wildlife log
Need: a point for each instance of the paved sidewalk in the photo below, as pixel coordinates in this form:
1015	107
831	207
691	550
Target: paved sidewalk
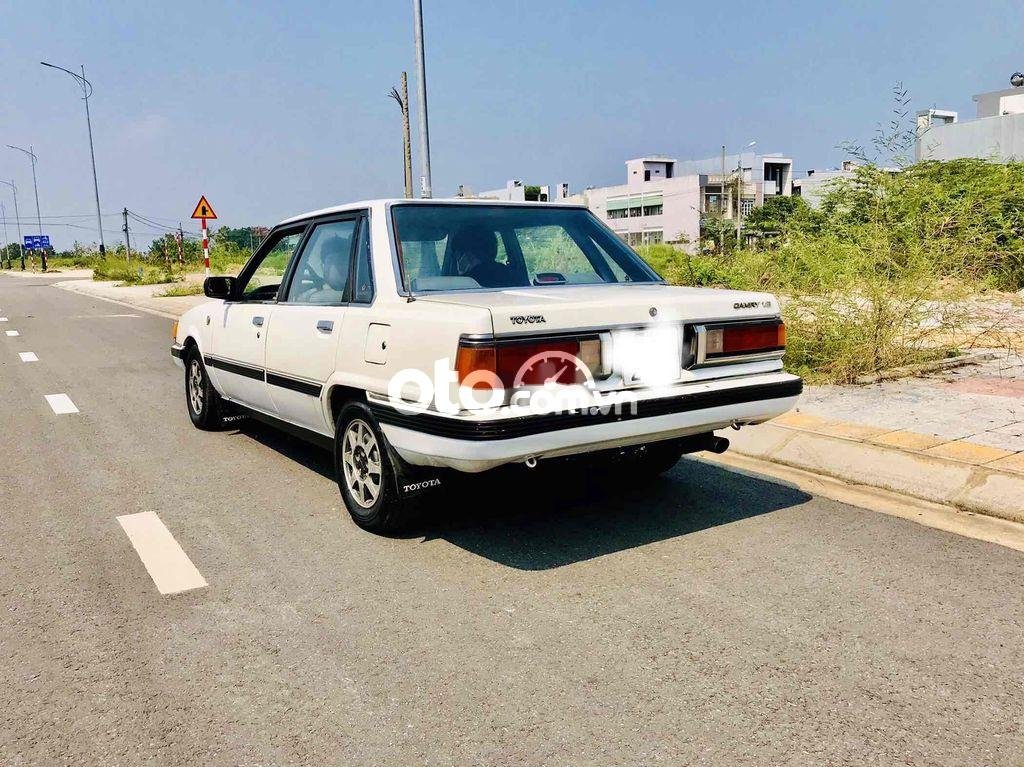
982	404
955	437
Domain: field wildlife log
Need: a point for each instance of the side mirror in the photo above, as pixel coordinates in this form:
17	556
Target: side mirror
220	287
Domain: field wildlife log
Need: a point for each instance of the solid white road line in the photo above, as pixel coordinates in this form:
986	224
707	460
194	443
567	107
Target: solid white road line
168	564
28	356
12	332
61	403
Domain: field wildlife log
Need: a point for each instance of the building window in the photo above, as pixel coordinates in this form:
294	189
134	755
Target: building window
746	205
635	212
621	213
652	210
637	239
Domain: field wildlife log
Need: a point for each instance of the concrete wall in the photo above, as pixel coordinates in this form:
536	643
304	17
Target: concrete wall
989	138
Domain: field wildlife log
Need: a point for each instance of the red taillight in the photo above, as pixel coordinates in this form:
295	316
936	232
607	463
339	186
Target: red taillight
745	338
533	363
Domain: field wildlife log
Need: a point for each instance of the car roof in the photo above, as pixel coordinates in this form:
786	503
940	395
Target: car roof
363	204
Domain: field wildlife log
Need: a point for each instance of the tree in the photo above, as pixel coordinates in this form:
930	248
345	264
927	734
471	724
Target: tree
774	214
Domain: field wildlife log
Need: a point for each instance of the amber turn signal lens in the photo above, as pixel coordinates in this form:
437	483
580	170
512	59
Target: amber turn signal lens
473	358
174	331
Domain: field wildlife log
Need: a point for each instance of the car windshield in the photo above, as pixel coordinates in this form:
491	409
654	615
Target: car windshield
469	247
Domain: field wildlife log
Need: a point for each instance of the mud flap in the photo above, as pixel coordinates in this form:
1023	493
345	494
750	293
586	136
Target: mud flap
411	481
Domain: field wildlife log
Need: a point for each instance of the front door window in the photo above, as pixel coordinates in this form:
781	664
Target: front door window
261	280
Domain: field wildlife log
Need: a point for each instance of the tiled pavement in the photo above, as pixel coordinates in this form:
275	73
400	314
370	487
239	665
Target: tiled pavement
973	414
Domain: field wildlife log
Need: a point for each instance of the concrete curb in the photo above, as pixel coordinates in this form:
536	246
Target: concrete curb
983	489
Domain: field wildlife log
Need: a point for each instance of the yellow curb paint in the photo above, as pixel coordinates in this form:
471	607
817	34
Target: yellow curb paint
969	452
167	563
801	421
1013	462
852	430
908	440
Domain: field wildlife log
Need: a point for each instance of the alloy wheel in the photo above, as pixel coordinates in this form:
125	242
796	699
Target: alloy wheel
361	463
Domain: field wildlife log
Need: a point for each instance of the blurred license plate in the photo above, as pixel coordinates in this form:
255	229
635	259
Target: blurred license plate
648	357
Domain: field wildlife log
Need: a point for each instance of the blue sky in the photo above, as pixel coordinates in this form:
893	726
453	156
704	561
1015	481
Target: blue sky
273	109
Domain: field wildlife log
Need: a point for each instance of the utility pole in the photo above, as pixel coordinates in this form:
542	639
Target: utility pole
17	219
86	93
127	241
35	187
181	246
421	69
721	210
402	99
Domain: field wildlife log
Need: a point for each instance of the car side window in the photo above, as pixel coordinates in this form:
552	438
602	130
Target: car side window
362	290
321	274
264	279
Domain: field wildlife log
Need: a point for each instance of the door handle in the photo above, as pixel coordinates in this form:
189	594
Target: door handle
257	321
325	326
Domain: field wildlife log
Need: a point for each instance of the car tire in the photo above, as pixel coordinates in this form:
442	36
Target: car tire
204	404
365	473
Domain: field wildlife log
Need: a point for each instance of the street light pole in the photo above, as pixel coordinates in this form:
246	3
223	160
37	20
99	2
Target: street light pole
739	193
17	220
86	93
421	70
5	251
35	187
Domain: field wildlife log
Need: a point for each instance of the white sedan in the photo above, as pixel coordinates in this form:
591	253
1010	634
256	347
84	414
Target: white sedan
417	337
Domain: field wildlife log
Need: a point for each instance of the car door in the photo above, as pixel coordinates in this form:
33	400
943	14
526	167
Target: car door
238	355
302	345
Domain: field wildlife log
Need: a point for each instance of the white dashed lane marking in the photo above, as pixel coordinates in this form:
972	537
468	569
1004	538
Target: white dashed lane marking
12	332
28	356
3	319
167	563
61	404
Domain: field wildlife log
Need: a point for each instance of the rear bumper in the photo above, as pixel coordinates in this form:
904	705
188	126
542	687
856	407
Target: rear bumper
475	444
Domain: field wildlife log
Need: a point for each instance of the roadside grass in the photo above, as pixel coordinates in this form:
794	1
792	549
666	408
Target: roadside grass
181	289
894	269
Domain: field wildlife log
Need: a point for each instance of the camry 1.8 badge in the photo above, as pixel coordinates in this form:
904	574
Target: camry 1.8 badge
527	319
752	305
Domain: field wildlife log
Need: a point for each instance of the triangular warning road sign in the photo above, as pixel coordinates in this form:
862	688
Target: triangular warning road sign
203	209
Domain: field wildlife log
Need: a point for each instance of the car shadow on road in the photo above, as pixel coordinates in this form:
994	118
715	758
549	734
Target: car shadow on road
540	523
538	520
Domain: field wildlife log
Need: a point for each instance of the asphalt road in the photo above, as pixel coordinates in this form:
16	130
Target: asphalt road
708	618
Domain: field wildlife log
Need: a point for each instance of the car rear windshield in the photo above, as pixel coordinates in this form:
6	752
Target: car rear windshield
469	247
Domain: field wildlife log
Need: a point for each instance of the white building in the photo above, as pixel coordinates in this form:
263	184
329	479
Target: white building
663	199
817	183
996	133
654	205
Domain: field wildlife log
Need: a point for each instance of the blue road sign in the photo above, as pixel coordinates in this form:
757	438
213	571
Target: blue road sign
37	241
